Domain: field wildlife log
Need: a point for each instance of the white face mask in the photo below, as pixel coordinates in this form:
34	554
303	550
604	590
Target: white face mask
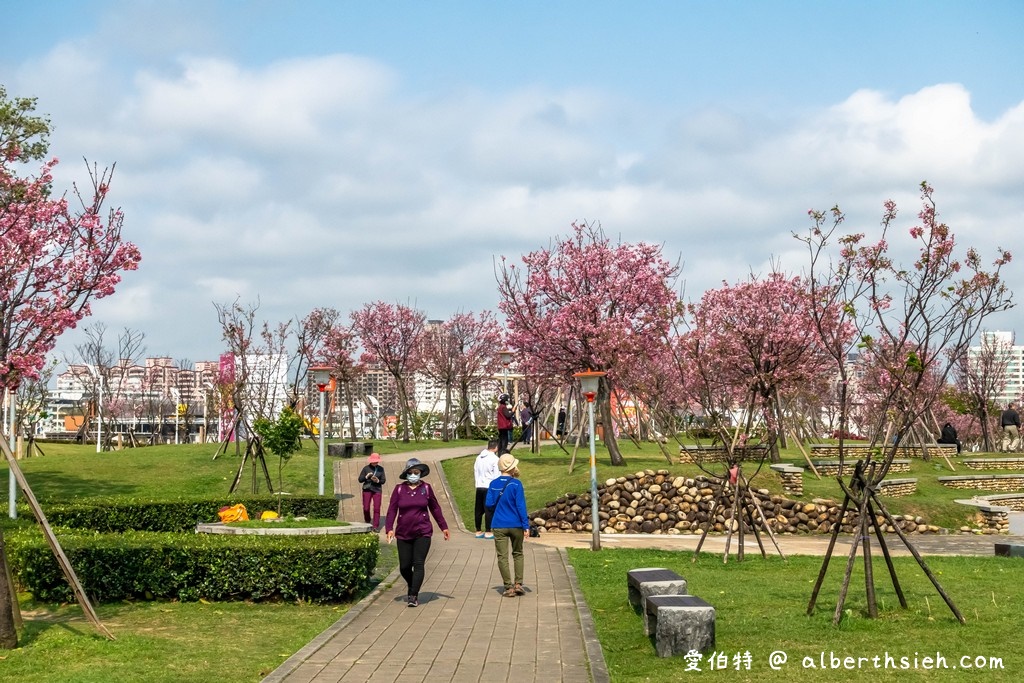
412	478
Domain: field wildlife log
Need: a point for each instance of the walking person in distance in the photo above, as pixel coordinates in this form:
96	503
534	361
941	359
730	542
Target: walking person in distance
526	416
506	419
408	522
485	470
1009	422
372	479
510	523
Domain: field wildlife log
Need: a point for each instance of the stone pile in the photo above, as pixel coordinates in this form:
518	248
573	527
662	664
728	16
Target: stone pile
656	502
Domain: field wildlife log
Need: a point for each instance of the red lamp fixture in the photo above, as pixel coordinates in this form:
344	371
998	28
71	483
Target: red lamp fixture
322	377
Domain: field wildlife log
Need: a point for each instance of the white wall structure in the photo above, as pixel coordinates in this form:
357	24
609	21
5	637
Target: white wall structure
1005	343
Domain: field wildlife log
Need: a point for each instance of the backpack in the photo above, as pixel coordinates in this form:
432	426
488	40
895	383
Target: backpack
490	508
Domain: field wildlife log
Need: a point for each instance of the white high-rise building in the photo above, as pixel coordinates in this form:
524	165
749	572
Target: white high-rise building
1005	344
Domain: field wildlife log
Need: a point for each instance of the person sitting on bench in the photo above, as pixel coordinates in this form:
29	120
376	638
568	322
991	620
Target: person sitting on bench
949	436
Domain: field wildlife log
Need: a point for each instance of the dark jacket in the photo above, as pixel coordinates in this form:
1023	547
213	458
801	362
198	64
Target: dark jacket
368	483
506	417
1009	417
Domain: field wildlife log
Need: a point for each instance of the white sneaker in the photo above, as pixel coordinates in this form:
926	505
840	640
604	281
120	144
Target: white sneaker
479	534
488	536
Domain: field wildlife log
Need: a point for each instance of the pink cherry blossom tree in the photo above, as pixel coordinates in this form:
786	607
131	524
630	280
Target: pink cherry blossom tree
56	256
914	323
56	260
391	335
455	353
751	345
311	334
340	352
588	303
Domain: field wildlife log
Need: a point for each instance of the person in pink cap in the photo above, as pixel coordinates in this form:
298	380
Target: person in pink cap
372	478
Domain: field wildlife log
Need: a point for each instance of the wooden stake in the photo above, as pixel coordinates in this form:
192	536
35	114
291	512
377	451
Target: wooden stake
51	539
806	456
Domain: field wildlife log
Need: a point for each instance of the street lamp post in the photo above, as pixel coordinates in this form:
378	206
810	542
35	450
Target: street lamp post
12	485
177	413
321	377
589	383
506	360
94	370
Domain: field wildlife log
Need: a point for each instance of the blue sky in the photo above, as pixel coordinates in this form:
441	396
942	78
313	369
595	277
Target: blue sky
332	153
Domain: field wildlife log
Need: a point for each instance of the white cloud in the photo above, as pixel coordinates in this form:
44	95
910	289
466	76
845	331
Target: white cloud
321	182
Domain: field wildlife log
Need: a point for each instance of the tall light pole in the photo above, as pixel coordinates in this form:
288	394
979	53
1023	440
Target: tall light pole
12	485
177	413
590	381
321	377
94	370
506	360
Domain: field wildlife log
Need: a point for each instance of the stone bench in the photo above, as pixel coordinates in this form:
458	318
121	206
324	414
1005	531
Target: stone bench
792	478
1010	549
679	624
693	454
994	518
897	488
642	583
828	468
994	463
350	449
859	450
984	482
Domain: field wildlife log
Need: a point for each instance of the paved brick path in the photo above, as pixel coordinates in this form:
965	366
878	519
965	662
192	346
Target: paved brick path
465	631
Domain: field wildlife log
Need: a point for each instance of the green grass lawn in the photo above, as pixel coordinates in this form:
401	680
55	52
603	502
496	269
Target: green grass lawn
165	641
162	642
761	602
760	608
70	471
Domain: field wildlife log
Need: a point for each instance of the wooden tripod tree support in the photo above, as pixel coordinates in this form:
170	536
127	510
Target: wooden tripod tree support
862	491
51	539
744	503
254	450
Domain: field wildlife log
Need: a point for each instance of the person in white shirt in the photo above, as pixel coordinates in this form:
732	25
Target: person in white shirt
485	470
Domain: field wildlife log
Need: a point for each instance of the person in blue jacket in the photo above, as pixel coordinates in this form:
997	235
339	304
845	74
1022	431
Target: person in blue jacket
510	522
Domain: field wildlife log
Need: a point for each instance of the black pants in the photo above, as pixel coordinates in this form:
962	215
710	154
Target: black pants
504	436
412	555
479	512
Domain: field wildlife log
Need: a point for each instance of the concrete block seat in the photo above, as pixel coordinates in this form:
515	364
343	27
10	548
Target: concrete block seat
679	624
1009	549
647	581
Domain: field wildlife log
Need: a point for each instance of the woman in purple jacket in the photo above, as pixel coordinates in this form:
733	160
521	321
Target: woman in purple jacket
408	520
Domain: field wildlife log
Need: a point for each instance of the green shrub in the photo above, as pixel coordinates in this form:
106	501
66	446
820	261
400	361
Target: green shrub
116	515
189	566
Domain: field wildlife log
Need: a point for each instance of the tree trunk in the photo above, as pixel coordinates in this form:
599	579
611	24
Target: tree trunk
406	414
445	433
351	405
8	633
986	434
605	406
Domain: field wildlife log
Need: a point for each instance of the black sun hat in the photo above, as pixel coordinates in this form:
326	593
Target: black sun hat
414	463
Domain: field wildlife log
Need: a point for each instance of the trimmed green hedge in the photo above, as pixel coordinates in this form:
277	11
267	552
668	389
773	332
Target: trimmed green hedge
116	515
189	567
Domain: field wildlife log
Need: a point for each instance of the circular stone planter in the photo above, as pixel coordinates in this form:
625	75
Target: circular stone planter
221	528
